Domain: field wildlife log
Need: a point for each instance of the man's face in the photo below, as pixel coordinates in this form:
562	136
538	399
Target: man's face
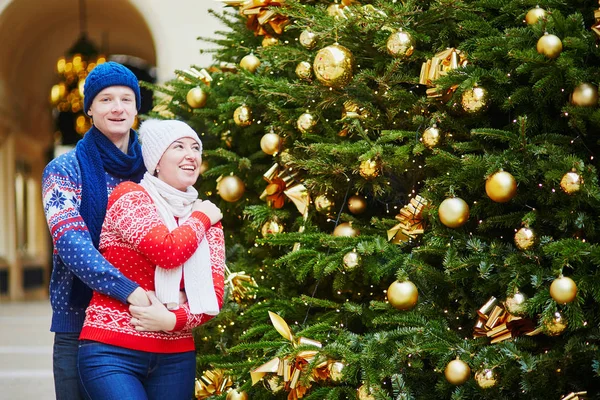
113	111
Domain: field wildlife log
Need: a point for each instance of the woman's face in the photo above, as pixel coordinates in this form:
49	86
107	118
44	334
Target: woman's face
179	165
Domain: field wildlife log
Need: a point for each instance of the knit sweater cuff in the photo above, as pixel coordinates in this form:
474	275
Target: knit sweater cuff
122	291
181	317
204	218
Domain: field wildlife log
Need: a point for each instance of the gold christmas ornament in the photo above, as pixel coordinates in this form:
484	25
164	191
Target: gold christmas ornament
563	290
269	41
411	221
453	212
308	39
211	383
549	45
270	143
457	372
364	393
306	122
227	139
571	182
515	304
353	111
534	15
336	370
196	97
345	229
431	137
304	70
250	63
400	44
230	188
525	238
271	227
336	10
474	100
369	169
403	295
585	95
204	166
485	378
236	394
324	204
501	187
333	66
555	325
351	260
357	204
242	116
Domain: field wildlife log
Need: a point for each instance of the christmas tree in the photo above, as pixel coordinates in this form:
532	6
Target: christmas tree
410	195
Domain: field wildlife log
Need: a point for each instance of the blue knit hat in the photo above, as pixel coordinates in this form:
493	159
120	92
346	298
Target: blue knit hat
109	74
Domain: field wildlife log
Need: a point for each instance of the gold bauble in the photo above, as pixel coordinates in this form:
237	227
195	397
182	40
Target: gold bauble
336	10
534	15
250	63
549	45
336	370
585	95
204	166
457	372
242	116
515	304
269	41
369	169
403	295
474	100
324	204
525	238
345	229
453	212
364	393
271	227
563	290
231	188
351	260
308	39
400	44
571	182
236	394
333	66
270	143
306	122
485	378
196	97
431	137
357	204
501	187
556	325
304	70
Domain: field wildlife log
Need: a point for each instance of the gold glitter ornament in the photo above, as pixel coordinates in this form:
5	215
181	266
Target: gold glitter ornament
270	143
230	188
351	260
431	137
271	227
549	45
515	304
269	41
453	212
236	394
242	116
525	238
555	325
474	100
485	378
333	66
306	122
308	39
370	169
457	372
250	63
534	15
400	44
345	229
403	295
501	186
196	97
357	204
324	204
304	70
585	95
571	182
563	290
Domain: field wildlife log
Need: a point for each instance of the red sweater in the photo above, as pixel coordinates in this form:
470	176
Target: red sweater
135	240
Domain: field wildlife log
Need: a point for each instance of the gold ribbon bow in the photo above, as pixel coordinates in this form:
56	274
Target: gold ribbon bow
499	325
211	383
411	221
242	286
575	396
596	26
438	66
282	182
201	74
261	16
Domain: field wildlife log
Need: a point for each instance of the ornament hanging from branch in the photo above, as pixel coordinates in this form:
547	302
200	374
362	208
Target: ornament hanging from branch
439	66
283	183
411	221
263	19
242	286
496	323
212	383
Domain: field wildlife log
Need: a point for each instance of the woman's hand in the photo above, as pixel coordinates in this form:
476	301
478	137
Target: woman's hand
208	208
153	318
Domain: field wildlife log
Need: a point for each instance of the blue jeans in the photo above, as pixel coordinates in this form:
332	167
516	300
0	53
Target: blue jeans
116	373
64	365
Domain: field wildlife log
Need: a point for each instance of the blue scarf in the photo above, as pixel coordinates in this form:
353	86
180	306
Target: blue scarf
97	155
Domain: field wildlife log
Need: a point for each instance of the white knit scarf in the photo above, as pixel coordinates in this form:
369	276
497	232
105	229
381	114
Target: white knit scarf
172	203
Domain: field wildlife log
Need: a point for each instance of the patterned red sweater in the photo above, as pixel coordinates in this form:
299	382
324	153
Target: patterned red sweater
135	240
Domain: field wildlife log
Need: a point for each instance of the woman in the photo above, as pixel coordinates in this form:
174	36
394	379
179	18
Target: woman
158	234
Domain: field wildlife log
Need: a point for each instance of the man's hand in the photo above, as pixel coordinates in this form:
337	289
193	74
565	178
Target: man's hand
153	318
139	298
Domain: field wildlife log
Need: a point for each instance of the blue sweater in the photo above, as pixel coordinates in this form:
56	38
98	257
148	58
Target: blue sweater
78	267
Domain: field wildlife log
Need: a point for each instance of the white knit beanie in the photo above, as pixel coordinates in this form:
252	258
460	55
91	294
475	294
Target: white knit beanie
157	135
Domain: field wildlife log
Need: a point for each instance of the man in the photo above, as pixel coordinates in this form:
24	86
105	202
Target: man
75	188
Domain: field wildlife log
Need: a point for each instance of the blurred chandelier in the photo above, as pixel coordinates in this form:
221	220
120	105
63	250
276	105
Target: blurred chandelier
72	68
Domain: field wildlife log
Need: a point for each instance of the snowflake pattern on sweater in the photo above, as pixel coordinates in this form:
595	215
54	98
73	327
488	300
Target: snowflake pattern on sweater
135	240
